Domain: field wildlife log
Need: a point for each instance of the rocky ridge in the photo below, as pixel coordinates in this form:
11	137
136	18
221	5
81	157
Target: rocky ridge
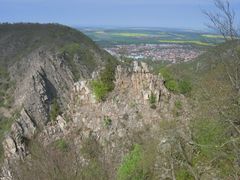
123	119
37	86
115	124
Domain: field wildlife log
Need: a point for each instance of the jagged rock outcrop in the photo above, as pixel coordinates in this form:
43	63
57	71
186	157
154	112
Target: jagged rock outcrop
14	146
41	70
115	124
22	129
123	118
140	83
42	77
82	92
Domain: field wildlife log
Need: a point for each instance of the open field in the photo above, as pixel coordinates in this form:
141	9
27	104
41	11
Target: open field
186	42
109	37
212	36
130	34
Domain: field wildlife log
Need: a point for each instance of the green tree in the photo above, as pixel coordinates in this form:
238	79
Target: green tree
105	83
172	85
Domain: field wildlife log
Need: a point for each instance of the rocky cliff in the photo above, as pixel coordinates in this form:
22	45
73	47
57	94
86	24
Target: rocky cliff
40	64
126	117
54	103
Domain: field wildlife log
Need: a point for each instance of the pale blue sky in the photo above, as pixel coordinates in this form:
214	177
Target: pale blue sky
133	13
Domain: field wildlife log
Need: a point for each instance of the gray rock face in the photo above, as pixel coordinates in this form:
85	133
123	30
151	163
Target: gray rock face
82	91
140	84
128	107
23	128
14	144
42	71
42	77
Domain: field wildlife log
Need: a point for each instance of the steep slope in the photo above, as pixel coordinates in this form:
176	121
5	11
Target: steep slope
39	64
93	142
209	75
215	116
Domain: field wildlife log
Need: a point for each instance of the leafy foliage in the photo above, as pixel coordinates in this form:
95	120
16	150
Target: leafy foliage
108	75
184	86
175	85
105	83
131	166
172	85
209	136
167	75
100	90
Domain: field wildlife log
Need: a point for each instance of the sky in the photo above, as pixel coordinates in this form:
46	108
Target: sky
112	13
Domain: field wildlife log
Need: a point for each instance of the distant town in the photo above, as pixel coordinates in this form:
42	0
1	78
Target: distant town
167	52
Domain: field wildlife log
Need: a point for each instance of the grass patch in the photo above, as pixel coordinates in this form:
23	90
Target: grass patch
212	36
139	163
130	168
178	104
130	34
186	42
183	174
107	121
94	171
209	136
61	144
167	75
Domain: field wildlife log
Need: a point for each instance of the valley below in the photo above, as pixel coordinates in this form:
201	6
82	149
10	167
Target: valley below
171	53
157	44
